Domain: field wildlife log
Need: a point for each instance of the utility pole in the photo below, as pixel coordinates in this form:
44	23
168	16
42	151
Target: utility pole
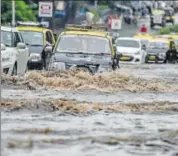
53	15
13	13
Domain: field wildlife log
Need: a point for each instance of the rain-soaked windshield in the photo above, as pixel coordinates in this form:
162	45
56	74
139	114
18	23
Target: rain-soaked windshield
83	43
6	38
127	43
158	45
32	37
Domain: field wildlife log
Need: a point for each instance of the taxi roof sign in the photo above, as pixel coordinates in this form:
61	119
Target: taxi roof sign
96	27
31	24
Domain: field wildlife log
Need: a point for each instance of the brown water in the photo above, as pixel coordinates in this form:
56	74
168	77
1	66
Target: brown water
133	111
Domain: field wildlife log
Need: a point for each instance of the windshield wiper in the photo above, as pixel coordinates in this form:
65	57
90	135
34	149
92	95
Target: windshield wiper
35	45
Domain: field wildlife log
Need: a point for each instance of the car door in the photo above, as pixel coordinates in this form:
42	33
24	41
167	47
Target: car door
49	39
23	54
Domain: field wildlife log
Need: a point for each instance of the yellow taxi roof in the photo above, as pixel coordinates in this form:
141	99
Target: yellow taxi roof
91	33
144	36
160	40
32	29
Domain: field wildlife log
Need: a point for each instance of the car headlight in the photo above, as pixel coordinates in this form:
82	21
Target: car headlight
104	68
35	57
162	54
137	53
56	65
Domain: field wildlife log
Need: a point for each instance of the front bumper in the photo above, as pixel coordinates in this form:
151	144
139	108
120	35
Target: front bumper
130	59
155	58
35	64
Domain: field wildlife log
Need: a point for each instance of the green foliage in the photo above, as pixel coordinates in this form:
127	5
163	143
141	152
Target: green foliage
170	29
103	7
95	12
23	12
164	31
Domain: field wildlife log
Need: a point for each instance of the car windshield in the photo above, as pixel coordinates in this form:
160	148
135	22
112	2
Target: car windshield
6	38
83	43
127	43
158	45
32	37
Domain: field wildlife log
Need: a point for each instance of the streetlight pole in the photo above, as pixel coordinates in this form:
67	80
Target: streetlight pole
13	13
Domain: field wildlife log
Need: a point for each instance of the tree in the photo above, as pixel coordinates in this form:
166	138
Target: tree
23	12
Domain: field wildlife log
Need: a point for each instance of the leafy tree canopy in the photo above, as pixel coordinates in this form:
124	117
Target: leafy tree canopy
23	11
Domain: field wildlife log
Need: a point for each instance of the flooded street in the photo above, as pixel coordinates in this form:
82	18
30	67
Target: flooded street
133	111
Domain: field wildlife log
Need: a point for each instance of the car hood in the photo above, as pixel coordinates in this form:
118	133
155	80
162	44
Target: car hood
35	49
82	59
128	50
156	51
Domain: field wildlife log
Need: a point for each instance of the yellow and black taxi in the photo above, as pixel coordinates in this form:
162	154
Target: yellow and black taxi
36	38
157	50
169	15
88	47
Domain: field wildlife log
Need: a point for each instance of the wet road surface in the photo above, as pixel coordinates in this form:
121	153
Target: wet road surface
54	119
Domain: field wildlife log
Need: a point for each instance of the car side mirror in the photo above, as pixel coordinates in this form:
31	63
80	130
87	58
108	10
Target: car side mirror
3	47
21	45
48	49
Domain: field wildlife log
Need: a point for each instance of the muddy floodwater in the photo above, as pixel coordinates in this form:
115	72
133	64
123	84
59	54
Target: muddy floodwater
130	112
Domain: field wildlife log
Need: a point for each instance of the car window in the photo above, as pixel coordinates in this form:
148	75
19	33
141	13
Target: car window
49	37
6	38
83	43
17	39
128	43
32	37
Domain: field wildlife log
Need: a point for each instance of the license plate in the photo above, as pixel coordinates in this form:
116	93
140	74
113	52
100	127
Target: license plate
125	58
152	57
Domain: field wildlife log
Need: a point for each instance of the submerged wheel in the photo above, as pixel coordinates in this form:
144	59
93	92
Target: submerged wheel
14	71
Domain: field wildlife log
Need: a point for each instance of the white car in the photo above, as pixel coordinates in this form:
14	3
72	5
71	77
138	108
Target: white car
131	50
14	52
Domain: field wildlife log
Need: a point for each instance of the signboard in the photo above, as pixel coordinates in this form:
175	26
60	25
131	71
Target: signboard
45	9
116	24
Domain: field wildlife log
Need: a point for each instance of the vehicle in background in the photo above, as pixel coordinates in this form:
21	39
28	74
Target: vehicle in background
145	38
14	52
131	50
158	18
169	15
37	38
156	50
84	47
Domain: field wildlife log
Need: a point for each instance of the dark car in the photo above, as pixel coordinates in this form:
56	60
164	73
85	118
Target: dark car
156	51
36	39
92	50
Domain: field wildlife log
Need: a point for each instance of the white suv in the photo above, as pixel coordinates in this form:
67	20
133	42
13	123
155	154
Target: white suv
14	52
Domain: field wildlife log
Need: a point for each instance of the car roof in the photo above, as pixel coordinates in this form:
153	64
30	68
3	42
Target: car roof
90	33
39	29
8	28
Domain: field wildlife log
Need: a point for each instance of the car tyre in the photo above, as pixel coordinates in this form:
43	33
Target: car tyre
14	71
